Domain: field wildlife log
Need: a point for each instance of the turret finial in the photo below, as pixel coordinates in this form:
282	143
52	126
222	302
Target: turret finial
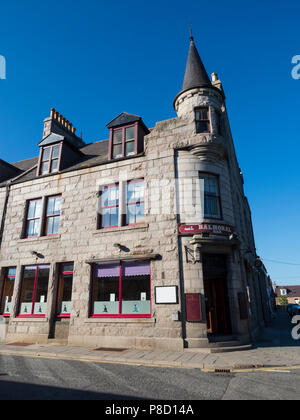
191	33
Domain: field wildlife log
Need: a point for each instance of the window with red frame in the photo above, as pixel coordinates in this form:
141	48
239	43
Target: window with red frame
109	207
34	291
64	292
135	202
7	291
121	290
33	220
53	215
50	159
123	142
202	120
212	199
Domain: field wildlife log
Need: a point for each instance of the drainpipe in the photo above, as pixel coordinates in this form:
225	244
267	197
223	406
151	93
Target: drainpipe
7	193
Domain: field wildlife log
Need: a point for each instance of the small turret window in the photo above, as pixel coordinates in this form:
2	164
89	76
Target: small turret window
202	120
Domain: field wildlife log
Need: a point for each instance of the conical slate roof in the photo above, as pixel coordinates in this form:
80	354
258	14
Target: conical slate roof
195	73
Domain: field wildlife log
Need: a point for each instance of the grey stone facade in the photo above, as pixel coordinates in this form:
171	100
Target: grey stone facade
172	150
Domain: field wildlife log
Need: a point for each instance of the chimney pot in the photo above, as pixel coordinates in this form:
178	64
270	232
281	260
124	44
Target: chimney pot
214	77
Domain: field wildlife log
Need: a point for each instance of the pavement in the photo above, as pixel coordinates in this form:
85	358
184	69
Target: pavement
275	349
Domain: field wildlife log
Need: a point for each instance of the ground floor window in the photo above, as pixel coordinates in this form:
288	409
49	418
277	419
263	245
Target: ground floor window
122	289
34	290
7	291
65	285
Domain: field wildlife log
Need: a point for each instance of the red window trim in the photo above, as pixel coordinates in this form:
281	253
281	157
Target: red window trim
35	218
211	195
62	273
49	217
43	218
32	315
50	159
111	140
119	316
6	276
128	203
100	217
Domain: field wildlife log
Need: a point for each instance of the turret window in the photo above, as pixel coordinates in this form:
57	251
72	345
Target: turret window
202	120
212	199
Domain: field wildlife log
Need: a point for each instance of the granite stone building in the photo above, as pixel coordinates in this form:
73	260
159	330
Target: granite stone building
95	248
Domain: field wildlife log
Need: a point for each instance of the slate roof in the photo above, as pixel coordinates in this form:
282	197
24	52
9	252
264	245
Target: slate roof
292	291
195	73
93	154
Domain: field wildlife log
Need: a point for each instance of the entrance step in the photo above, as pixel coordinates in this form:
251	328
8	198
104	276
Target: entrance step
228	349
57	341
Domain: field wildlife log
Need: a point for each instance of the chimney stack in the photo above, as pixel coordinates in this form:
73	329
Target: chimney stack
56	123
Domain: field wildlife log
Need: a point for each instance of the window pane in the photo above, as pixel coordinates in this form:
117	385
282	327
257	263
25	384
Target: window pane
45	168
8	290
203	127
54	206
212	207
49	226
106	290
46	154
27	290
55	152
56	224
136	293
113	196
117	137
117	151
67	268
54	165
130	215
130	133
105	218
140	213
129	148
12	271
33	228
65	293
34	209
41	291
31	210
114	216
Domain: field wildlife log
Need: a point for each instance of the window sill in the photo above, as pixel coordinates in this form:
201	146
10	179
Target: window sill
39	238
29	319
137	226
120	320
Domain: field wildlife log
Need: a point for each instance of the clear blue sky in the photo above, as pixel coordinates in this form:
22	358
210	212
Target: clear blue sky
92	60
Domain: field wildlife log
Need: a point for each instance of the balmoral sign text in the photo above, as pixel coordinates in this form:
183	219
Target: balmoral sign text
212	228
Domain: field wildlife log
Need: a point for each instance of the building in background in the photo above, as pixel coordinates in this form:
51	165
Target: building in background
97	250
290	294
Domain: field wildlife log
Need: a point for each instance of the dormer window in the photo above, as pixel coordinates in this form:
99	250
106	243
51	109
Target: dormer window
124	142
127	134
50	159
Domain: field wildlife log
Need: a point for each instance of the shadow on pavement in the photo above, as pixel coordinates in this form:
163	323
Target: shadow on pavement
12	391
278	333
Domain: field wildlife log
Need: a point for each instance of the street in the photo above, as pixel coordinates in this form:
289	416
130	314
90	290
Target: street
45	379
